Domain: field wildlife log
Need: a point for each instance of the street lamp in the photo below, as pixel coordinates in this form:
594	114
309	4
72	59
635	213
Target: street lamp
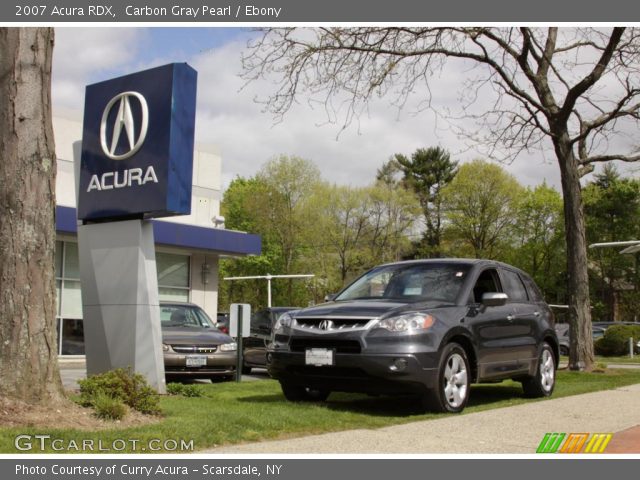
268	278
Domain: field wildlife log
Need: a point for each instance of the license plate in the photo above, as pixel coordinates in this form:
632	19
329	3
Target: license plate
196	361
319	357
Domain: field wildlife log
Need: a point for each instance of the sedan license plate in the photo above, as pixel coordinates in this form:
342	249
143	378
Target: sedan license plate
196	361
319	356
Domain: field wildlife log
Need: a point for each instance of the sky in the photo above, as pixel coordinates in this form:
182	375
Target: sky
228	116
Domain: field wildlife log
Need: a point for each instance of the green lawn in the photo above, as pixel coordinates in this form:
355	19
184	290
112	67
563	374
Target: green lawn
625	359
232	412
610	360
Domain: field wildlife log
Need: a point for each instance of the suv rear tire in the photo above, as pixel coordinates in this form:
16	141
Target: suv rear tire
544	381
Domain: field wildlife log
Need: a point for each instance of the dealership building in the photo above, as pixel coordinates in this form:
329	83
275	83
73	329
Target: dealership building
188	248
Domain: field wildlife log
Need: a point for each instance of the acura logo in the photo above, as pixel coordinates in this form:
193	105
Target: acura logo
124	119
326	325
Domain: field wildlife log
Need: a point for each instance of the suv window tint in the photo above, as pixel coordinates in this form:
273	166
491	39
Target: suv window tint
513	286
261	320
534	292
488	282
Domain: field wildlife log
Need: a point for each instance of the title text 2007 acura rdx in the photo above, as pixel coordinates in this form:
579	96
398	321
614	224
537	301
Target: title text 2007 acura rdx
426	327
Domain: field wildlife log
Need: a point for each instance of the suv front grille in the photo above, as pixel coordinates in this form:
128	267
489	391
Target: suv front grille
194	348
332	324
340	346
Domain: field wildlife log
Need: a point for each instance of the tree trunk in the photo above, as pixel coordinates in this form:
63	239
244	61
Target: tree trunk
581	348
28	353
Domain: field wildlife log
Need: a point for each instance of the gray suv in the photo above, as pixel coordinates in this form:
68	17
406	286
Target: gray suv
426	327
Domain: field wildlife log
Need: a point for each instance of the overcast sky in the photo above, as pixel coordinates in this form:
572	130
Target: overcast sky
228	116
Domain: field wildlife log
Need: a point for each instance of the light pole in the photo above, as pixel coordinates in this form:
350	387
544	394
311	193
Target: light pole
268	278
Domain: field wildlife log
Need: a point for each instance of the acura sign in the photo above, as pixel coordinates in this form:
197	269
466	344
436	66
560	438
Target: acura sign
137	145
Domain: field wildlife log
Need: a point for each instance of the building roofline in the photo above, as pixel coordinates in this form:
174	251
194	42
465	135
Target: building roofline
214	240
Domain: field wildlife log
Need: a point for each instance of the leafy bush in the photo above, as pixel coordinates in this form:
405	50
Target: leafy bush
108	407
121	384
184	390
615	341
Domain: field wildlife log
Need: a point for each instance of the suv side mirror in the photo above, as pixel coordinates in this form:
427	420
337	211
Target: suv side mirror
494	299
330	297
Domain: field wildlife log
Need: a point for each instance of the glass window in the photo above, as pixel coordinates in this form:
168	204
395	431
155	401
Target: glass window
173	270
532	289
71	299
166	294
410	282
184	316
71	261
58	260
173	277
261	320
72	337
513	286
487	282
58	296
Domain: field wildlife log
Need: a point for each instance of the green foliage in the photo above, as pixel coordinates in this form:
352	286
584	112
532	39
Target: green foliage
615	341
481	205
310	226
539	245
612	209
123	385
426	173
184	390
108	407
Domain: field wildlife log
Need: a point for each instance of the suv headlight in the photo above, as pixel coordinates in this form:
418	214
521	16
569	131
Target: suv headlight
409	322
229	347
285	320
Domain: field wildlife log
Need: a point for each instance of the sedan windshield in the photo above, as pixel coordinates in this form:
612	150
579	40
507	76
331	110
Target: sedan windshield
418	282
184	316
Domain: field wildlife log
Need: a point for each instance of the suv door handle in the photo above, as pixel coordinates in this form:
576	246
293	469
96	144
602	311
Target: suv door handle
511	318
536	314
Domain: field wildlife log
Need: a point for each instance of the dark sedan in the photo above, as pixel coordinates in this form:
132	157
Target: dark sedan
192	346
254	347
427	327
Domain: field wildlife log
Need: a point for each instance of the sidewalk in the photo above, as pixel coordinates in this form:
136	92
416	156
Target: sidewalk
517	429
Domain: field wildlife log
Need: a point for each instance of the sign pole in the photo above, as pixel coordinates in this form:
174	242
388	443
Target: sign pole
239	342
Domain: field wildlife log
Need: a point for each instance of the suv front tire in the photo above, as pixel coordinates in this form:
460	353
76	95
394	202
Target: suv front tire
452	392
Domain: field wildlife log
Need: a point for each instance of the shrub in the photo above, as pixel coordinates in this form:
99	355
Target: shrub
108	407
615	341
184	390
121	384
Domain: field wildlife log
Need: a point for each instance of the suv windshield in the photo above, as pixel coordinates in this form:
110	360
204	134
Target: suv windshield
184	316
409	283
